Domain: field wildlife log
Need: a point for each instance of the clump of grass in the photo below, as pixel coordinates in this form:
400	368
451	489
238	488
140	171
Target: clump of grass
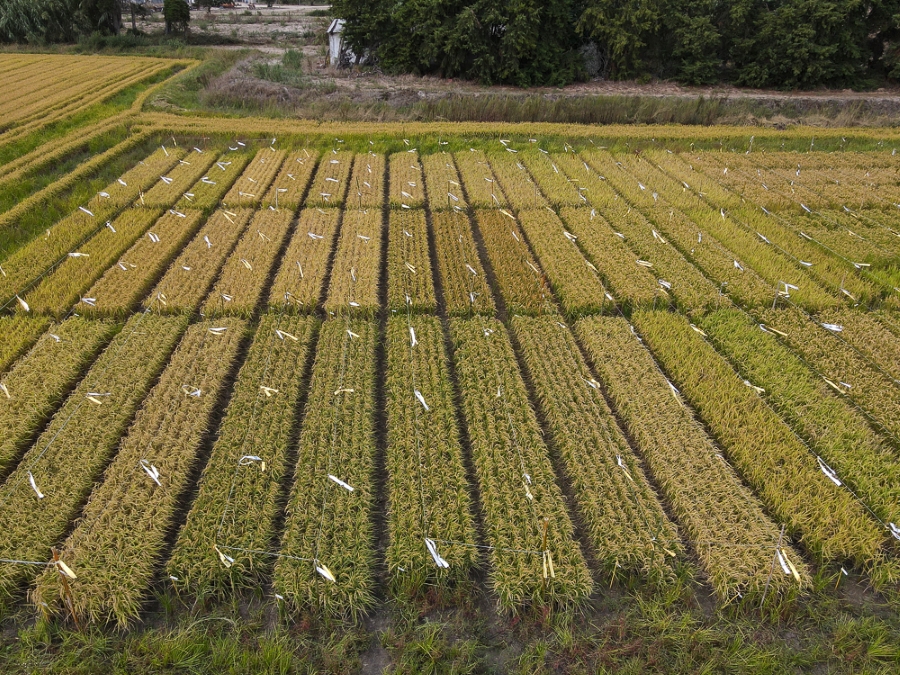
289	71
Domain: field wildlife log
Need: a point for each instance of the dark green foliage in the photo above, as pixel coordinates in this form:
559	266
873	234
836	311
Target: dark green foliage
46	21
177	14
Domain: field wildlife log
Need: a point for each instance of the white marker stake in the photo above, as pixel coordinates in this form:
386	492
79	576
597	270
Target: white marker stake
151	471
325	572
412	337
421	399
40	495
347	487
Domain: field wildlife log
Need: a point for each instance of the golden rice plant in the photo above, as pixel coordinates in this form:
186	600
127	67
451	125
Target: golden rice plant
298	283
251	186
709	170
482	190
240	283
115	547
367	182
410	285
327	551
70	455
574	279
192	274
521	191
555	184
872	333
289	186
524	511
237	502
406	180
63	288
594	187
428	495
771	459
356	272
727	525
17	333
126	283
463	280
130	185
171	186
216	181
35	385
442	179
625	522
522	283
331	181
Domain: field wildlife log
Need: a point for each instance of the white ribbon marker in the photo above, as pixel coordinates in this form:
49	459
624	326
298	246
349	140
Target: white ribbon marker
412	337
829	472
348	488
40	495
151	471
421	399
432	549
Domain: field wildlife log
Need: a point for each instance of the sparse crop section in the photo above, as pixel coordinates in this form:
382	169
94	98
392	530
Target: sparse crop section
534	558
727	526
251	186
331	181
785	474
17	334
444	190
171	186
465	286
289	186
127	282
192	274
216	181
236	508
70	455
367	182
482	189
327	553
573	278
115	548
298	284
428	498
34	386
357	264
410	284
522	284
627	527
240	284
520	189
406	181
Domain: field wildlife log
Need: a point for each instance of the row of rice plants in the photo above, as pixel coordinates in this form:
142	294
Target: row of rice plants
407	182
534	558
331	181
559	188
171	186
521	191
190	277
206	192
410	284
574	279
521	283
482	191
240	284
835	429
289	187
871	333
327	555
356	273
463	279
70	455
251	186
367	182
228	538
779	467
429	506
856	237
444	190
624	519
35	385
17	334
727	526
115	547
126	283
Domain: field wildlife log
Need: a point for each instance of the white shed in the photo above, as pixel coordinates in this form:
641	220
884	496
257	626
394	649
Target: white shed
336	47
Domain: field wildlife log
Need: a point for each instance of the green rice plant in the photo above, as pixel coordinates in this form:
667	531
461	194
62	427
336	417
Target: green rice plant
237	504
331	182
708	170
594	187
61	289
482	191
826	518
555	184
289	186
216	181
191	276
574	279
298	283
70	455
35	385
464	282
428	496
407	182
17	334
367	182
625	522
727	526
443	182
240	284
524	510
123	191
521	283
521	191
410	284
170	188
126	283
251	186
356	272
852	374
832	426
115	547
327	554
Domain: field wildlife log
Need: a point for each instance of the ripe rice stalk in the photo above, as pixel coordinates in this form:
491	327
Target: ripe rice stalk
407	181
515	477
17	334
560	189
70	455
356	272
428	495
170	187
327	551
128	281
252	185
331	182
240	284
442	179
482	188
237	503
625	522
366	190
292	180
214	183
466	290
298	283
521	191
872	333
115	547
410	284
726	523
